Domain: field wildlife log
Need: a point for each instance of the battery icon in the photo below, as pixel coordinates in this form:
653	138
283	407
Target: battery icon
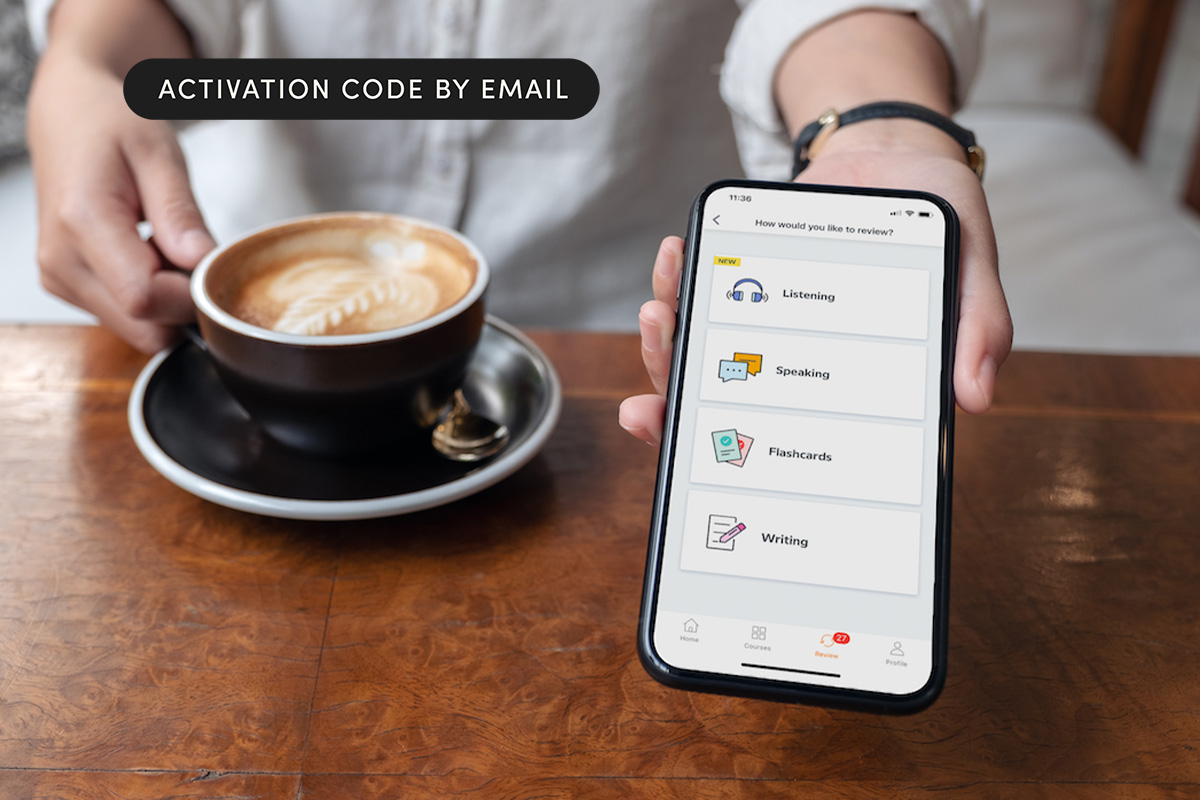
922	213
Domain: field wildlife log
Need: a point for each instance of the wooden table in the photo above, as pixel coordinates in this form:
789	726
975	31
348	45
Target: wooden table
154	645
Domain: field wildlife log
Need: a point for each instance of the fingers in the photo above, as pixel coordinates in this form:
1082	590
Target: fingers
984	325
642	416
656	322
984	341
97	169
75	283
90	203
668	266
102	230
161	178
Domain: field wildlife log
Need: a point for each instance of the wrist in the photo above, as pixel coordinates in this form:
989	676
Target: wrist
858	58
114	35
931	136
893	136
63	58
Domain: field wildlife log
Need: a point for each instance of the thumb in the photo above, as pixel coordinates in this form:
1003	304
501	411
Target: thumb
160	173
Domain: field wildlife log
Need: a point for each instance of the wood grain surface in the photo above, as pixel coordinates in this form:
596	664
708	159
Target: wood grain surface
155	645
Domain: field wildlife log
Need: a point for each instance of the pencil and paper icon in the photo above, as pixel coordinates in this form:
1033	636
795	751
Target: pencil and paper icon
722	530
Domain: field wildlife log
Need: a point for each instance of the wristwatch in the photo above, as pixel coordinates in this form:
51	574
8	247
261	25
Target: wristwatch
814	135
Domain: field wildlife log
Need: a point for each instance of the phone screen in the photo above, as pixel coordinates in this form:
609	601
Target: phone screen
803	492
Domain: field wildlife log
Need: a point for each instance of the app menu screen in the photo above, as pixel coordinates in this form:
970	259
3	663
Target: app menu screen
800	534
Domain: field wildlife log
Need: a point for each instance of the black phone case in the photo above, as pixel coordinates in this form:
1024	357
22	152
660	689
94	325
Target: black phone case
762	688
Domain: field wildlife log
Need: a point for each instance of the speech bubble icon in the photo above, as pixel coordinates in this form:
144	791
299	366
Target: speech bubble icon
753	362
733	371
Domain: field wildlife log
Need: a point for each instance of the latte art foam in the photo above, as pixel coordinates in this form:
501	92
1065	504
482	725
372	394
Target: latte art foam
365	284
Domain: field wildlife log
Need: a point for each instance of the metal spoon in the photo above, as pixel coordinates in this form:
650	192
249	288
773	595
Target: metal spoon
463	435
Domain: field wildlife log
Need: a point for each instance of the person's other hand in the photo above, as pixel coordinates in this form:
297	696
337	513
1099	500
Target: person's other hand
99	170
984	329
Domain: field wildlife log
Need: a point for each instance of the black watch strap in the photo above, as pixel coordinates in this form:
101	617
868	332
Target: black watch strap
814	135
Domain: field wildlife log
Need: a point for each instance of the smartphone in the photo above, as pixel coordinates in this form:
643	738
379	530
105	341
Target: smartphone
800	537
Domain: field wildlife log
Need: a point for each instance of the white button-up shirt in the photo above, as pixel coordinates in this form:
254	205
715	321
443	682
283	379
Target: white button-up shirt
569	213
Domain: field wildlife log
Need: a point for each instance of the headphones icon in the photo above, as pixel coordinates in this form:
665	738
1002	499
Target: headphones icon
755	297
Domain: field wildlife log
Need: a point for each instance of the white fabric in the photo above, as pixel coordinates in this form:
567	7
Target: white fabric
1091	257
568	212
1039	53
767	29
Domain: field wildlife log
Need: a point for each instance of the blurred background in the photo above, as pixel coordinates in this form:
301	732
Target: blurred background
1090	114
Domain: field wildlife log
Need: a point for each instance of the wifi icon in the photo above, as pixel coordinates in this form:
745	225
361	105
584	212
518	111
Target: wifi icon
910	212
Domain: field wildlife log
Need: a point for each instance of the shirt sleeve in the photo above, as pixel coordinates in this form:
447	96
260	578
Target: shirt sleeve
37	13
766	30
214	25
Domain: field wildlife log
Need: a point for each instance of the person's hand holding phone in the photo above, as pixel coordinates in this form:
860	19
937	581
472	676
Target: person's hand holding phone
865	57
805	472
985	328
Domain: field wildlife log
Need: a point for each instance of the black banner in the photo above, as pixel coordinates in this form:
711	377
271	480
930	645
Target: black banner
361	88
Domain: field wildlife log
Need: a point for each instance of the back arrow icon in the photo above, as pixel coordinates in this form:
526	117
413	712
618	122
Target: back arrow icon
717	217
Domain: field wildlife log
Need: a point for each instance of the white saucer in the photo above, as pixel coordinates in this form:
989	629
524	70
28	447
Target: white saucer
191	431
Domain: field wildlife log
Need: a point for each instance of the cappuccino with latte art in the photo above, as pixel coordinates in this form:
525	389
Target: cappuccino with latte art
358	276
343	333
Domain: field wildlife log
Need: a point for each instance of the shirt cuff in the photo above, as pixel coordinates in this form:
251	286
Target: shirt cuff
765	32
215	26
37	15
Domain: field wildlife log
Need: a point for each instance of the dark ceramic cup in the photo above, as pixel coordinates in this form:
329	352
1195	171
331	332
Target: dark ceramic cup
338	394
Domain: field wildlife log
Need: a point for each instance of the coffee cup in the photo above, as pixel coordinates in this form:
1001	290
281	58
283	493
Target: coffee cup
343	333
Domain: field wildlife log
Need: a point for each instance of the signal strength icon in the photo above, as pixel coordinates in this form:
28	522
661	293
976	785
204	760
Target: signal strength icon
896	213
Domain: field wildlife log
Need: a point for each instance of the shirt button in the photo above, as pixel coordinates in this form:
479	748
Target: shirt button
442	163
450	18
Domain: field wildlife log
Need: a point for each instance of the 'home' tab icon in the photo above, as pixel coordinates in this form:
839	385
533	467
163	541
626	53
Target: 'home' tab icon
691	626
